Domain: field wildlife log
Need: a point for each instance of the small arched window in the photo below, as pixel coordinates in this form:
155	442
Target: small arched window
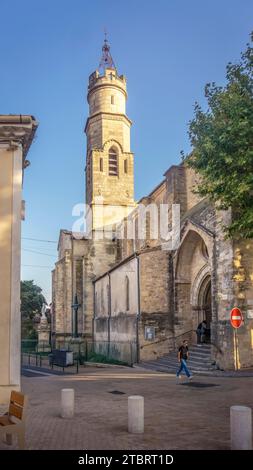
101	164
112	99
125	166
127	293
113	162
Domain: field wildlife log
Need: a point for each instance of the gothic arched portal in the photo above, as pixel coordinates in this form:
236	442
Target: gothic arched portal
193	283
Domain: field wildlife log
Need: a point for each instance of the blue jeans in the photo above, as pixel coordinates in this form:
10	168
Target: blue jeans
183	366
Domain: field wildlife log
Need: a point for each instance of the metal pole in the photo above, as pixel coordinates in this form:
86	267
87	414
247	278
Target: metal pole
72	282
139	310
75	332
75	307
107	348
236	350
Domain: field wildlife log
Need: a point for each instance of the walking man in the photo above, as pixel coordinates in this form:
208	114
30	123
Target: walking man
183	354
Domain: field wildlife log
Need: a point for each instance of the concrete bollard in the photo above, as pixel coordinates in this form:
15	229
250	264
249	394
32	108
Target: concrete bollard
67	402
136	414
241	428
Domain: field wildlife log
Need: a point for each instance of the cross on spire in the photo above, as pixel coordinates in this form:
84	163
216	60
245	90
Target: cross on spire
106	59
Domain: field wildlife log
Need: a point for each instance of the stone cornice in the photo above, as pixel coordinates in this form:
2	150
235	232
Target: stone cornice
111	116
17	130
102	151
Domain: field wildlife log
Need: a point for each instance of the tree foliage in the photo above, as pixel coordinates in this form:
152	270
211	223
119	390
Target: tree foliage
32	300
222	142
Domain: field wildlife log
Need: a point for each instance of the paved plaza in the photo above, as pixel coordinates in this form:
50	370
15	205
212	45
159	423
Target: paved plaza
178	414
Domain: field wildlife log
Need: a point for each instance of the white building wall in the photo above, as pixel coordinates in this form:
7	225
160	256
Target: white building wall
118	289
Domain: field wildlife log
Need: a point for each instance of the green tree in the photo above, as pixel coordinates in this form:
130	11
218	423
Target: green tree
222	143
31	303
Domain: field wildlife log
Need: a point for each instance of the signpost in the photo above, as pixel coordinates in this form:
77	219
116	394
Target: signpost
236	320
236	317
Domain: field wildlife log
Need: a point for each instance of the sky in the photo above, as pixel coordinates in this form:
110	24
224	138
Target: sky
168	50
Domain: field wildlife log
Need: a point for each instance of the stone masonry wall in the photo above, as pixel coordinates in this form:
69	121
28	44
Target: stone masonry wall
155	303
63	295
101	256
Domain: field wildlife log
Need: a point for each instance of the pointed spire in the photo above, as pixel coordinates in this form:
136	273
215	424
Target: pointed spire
106	59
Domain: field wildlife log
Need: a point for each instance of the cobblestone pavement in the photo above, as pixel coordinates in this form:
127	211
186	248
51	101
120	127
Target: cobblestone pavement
178	414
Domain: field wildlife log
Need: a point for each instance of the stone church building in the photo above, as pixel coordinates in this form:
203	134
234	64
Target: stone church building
135	295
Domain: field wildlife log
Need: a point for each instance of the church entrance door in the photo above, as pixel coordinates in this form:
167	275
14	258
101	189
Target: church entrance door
205	305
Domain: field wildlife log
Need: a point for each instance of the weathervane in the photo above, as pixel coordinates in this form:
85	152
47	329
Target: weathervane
106	61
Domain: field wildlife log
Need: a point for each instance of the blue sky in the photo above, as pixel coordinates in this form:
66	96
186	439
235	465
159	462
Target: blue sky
168	50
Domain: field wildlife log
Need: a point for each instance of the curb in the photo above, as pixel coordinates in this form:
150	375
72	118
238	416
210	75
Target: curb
103	365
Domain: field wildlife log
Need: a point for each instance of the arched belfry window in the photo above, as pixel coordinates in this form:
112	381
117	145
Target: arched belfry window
113	162
127	293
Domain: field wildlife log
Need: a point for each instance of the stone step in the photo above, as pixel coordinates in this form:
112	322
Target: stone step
203	360
193	351
195	356
199	361
191	355
200	351
203	349
173	370
208	372
191	358
175	364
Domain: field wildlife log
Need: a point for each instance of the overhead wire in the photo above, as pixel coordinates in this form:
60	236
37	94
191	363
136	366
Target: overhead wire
35	266
38	252
39	240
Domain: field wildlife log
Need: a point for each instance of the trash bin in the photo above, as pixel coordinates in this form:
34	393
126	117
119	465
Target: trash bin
61	357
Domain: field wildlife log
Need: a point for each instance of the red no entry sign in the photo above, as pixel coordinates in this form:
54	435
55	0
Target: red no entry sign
236	317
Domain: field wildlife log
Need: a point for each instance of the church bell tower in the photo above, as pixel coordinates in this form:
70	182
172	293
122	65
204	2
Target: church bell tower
109	161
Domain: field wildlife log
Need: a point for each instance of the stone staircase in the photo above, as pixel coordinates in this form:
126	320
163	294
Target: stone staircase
199	361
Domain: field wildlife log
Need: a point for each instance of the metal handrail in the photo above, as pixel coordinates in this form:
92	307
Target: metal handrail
167	339
178	336
38	355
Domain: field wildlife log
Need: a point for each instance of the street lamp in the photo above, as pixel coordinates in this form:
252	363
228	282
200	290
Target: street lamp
75	307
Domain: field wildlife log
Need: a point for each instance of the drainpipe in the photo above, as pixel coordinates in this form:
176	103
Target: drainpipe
109	312
94	310
83	301
138	309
